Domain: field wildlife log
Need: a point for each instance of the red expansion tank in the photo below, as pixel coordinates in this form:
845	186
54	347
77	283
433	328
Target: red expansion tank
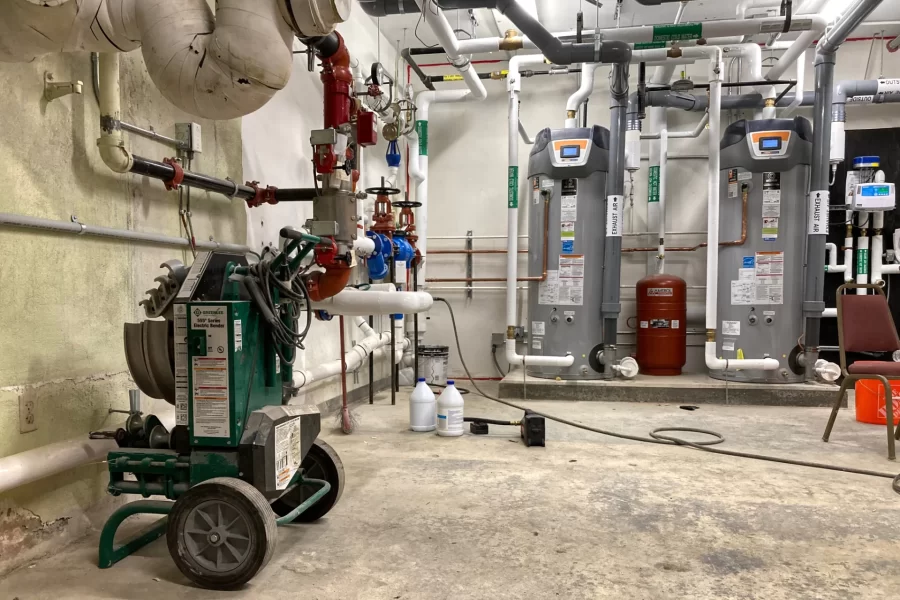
662	324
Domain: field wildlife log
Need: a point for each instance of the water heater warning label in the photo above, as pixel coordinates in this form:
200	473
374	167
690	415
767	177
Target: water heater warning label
571	280
548	290
209	374
763	284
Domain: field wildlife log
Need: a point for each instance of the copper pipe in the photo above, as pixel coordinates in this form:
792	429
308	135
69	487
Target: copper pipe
740	242
542	277
472	252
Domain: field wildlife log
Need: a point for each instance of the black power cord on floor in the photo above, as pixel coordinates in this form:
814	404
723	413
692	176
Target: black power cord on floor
660	435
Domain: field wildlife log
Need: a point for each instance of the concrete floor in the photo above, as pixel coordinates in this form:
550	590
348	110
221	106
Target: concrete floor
587	517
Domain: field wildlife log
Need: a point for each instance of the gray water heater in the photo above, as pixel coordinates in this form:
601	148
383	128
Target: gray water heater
567	171
762	234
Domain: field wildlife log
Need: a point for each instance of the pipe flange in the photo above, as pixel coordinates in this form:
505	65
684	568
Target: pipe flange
461	63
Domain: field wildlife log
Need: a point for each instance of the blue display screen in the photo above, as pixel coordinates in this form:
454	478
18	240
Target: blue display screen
770	144
570	151
876	190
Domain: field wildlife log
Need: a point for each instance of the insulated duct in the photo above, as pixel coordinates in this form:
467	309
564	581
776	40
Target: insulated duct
215	67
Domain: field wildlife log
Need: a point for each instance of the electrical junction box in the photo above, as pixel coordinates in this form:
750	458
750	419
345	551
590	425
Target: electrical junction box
874	196
191	135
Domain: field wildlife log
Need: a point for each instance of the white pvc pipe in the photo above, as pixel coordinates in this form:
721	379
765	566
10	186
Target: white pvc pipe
745	5
799	88
657	119
45	461
415	169
364	247
833	266
583	92
694	133
663	156
524	134
798	47
355	302
514	86
716	73
442	30
371	344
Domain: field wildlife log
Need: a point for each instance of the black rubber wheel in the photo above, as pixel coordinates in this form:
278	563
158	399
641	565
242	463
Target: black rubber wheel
321	462
221	533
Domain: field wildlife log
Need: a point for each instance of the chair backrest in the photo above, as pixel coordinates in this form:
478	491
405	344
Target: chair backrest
865	323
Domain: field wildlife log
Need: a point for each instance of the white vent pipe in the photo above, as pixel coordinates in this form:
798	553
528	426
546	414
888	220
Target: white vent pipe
355	302
215	67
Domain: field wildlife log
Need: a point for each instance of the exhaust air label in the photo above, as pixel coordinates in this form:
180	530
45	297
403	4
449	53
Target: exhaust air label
571	280
209	374
614	216
181	365
818	212
548	290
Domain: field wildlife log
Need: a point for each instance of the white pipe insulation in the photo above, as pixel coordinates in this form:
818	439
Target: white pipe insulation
216	67
584	91
355	302
371	344
833	266
514	85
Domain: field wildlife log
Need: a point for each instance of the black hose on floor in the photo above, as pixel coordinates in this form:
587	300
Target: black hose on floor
659	435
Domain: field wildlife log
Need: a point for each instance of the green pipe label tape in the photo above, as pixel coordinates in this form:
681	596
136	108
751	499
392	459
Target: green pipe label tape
512	187
862	262
649	45
671	33
422	132
653	185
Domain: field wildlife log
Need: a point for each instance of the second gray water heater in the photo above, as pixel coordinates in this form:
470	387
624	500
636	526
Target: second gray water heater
567	170
762	232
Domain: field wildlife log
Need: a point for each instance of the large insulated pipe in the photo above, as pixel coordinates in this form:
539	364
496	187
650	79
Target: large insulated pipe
814	290
615	197
355	302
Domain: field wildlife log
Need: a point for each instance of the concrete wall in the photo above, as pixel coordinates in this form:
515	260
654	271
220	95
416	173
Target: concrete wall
64	298
467	191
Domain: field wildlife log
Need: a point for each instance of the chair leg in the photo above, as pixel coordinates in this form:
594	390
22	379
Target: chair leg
889	410
835	409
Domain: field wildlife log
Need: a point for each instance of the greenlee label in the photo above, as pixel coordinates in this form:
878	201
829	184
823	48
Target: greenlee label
862	262
422	132
672	33
512	187
653	185
649	45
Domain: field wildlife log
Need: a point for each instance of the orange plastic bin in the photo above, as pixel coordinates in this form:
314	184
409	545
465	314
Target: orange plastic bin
870	404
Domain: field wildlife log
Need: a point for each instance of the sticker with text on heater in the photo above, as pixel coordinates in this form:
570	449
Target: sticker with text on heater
567	230
731	328
728	345
748	262
743	292
569	313
571	280
537	344
568	208
645	324
818	212
209	374
568	247
744	175
676	323
538	327
614	215
747	274
770	229
548	290
733	189
771	206
769	278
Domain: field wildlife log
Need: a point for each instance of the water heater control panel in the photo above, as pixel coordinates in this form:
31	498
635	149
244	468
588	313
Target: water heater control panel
874	196
570	153
769	144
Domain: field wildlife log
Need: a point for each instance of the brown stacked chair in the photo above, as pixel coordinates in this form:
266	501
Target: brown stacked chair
865	324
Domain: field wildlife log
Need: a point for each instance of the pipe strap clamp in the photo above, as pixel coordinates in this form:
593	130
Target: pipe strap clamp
234	183
175	182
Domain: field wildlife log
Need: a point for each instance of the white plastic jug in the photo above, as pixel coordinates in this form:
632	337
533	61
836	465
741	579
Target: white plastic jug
450	412
422	408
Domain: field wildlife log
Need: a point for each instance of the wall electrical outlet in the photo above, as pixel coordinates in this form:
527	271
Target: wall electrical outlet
27	413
